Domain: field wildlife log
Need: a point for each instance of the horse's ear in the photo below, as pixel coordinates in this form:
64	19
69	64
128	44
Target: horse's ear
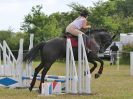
114	36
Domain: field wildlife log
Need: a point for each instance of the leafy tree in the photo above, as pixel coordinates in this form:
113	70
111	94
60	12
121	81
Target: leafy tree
41	25
5	35
129	4
114	15
34	21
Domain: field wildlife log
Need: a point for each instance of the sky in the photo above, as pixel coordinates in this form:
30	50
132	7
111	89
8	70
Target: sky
12	12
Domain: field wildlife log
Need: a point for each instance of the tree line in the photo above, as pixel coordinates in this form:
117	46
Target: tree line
114	15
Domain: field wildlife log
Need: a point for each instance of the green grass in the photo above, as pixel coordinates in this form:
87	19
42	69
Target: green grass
113	84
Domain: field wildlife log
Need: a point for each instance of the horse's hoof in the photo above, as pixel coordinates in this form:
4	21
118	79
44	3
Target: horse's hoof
97	76
30	89
39	91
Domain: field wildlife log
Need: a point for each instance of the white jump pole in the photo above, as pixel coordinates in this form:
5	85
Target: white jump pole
83	68
9	60
131	63
28	71
30	46
79	66
19	63
67	67
29	66
71	74
1	49
118	60
4	57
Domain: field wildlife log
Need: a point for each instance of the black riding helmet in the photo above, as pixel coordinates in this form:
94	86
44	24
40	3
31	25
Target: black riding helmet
84	13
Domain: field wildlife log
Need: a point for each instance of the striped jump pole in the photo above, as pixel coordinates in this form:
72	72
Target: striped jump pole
55	77
46	79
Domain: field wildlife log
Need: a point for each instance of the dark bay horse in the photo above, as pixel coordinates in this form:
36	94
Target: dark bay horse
54	49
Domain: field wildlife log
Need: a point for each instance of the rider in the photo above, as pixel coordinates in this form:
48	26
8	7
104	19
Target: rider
79	23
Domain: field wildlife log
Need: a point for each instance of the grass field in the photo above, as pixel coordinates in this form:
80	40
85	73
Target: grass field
113	84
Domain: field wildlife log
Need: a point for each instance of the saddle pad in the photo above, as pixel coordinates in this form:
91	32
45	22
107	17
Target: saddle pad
74	41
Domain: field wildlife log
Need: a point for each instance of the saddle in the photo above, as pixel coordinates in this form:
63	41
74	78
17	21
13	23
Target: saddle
74	39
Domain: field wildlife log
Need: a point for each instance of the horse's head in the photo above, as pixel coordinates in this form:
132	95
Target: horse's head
102	37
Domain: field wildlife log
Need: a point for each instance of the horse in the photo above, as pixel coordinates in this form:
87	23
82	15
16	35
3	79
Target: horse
54	49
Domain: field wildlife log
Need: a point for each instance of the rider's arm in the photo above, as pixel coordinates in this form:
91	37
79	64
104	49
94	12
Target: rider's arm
85	25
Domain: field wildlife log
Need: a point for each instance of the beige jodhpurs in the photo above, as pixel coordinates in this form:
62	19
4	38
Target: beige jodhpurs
74	31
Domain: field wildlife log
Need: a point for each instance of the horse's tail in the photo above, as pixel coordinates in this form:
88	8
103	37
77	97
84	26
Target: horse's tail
32	54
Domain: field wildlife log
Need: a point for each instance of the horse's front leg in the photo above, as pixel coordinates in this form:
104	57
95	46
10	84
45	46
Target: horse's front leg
37	69
44	72
100	69
92	58
94	65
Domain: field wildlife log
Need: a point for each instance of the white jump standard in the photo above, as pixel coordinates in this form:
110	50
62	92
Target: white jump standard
84	75
71	73
81	83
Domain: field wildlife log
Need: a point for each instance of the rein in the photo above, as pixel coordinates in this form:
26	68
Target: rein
106	44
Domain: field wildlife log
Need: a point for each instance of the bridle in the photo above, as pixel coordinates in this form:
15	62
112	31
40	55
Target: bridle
105	44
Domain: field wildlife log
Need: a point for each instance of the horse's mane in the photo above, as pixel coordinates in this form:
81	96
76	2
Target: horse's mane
92	31
98	30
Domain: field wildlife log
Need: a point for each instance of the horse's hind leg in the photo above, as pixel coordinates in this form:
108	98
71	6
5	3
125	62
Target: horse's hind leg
94	65
37	69
44	72
100	69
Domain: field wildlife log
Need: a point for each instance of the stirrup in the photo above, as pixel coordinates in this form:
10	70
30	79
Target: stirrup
88	50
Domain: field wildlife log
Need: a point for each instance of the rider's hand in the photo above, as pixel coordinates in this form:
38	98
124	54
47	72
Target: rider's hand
89	26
